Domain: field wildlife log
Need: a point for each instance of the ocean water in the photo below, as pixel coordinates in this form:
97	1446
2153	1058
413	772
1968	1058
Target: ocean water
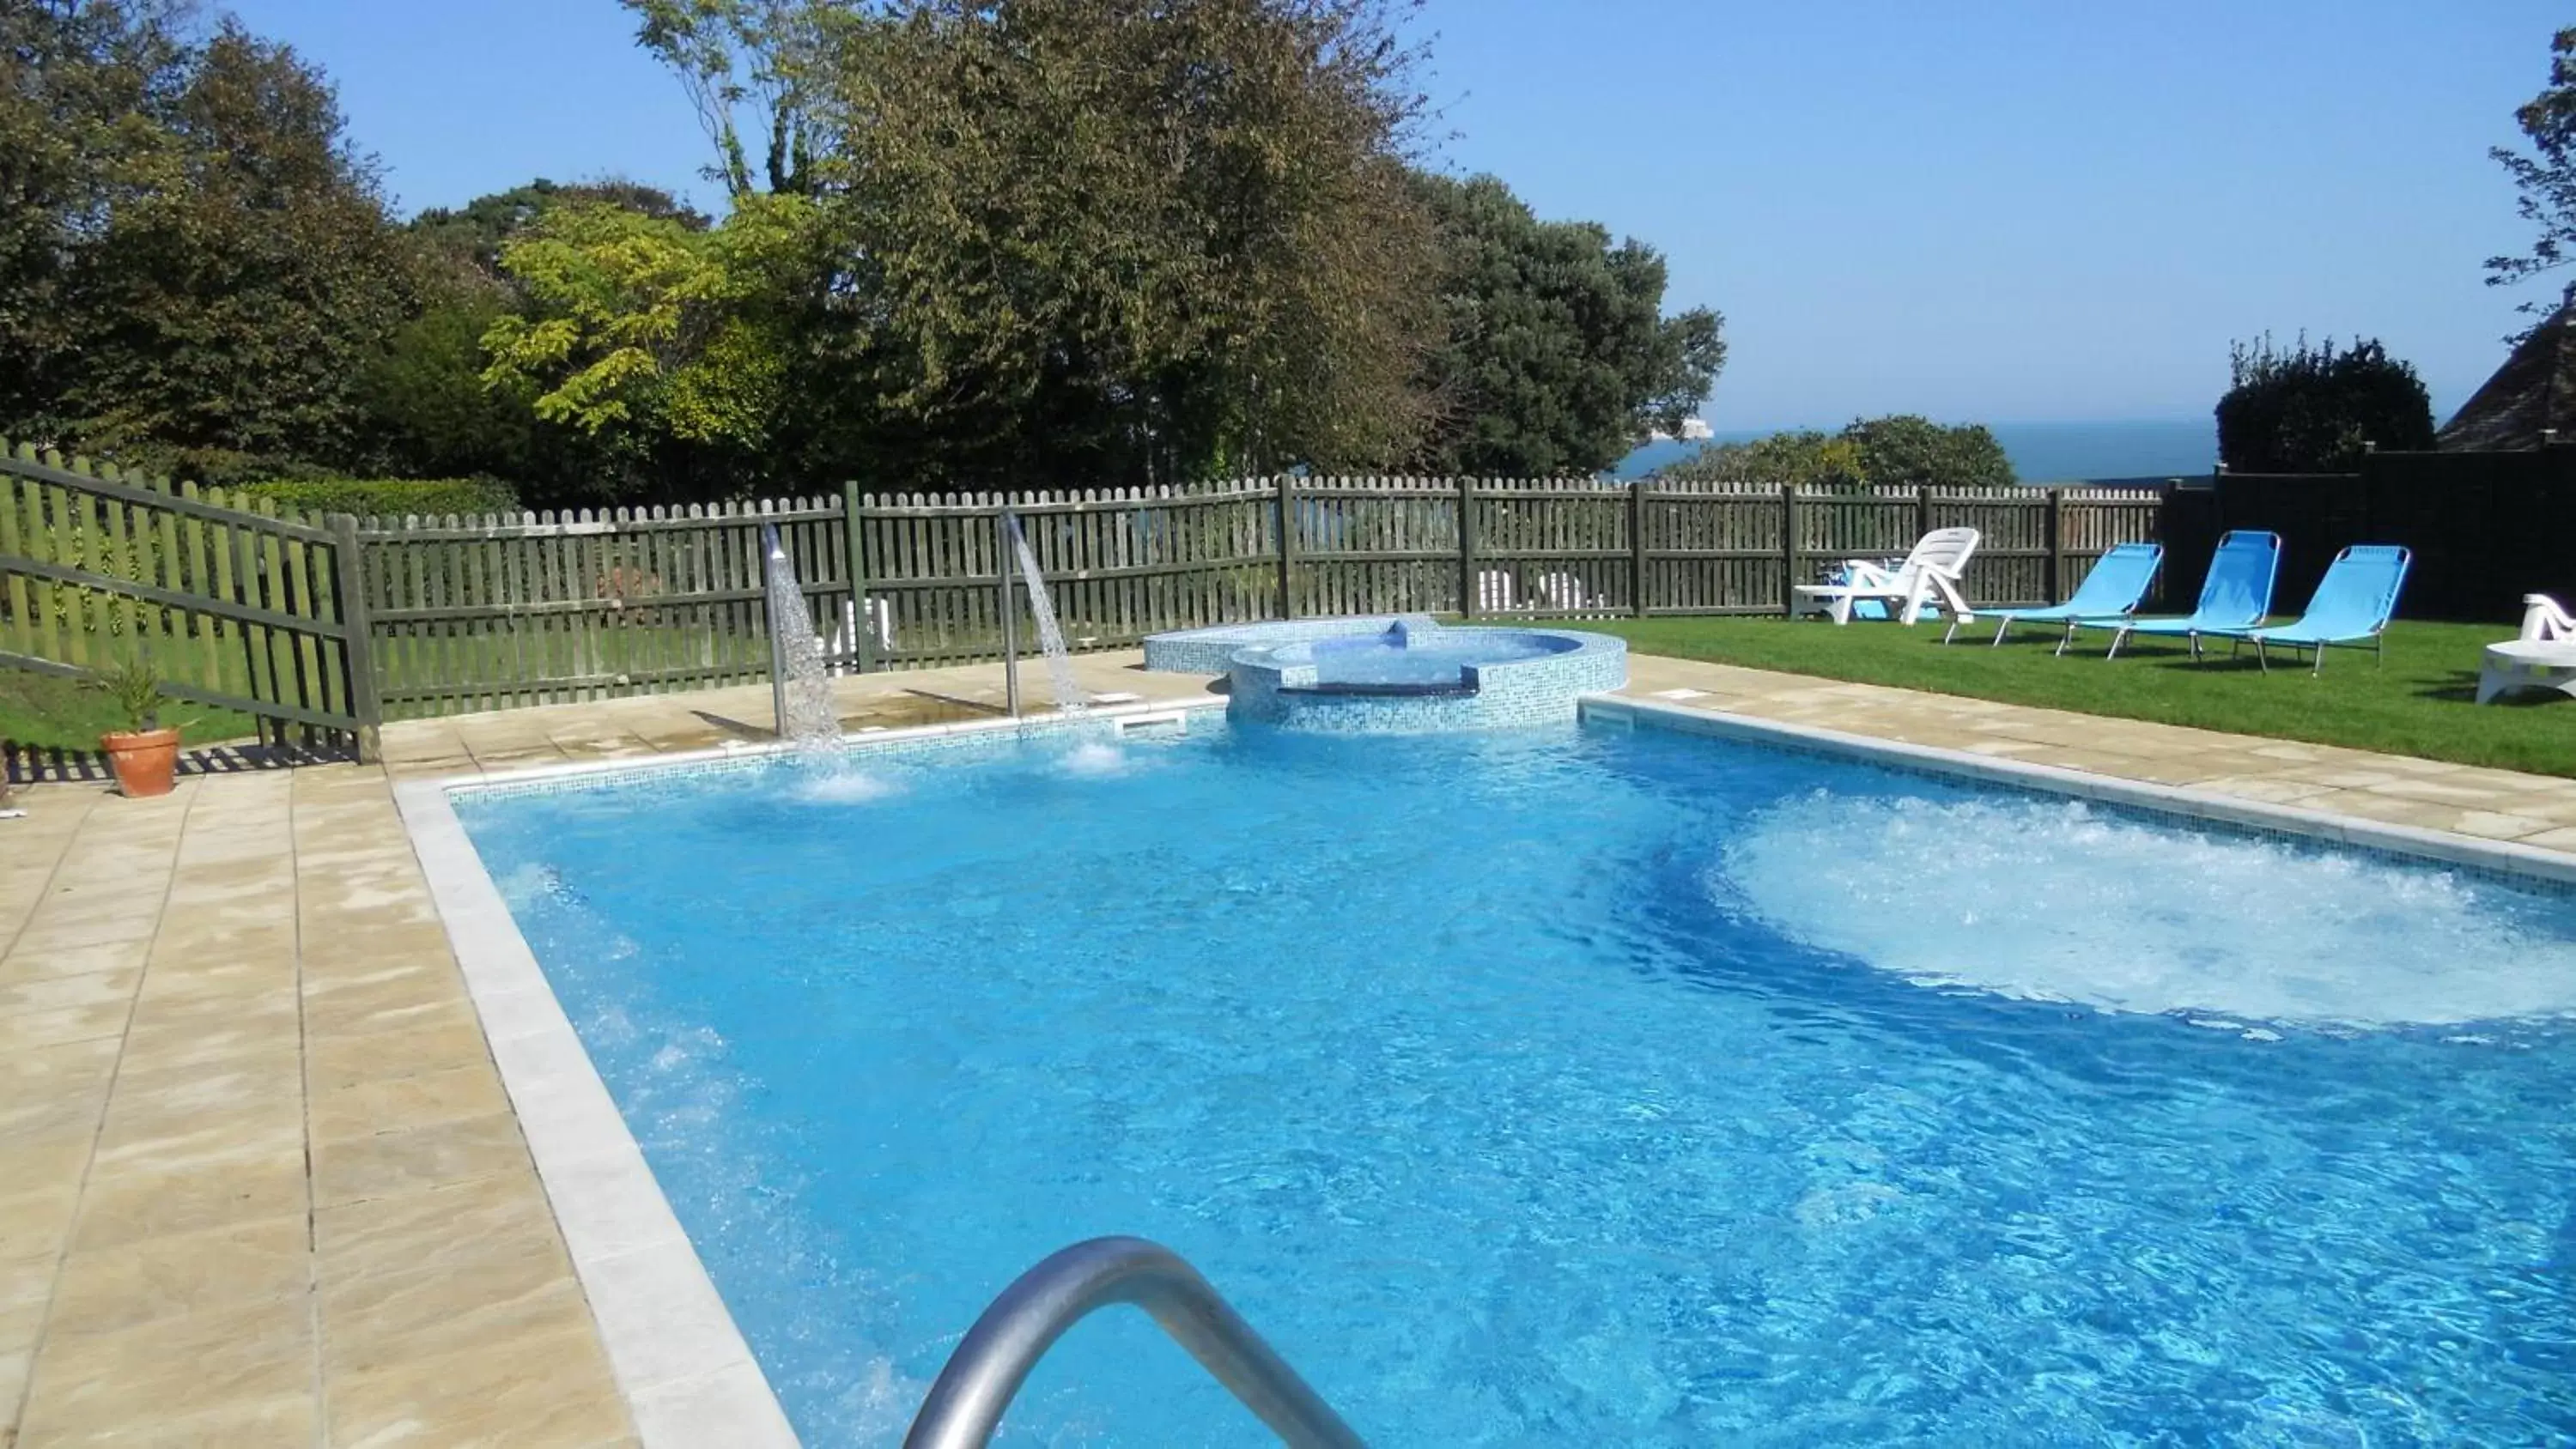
1577	1086
2040	452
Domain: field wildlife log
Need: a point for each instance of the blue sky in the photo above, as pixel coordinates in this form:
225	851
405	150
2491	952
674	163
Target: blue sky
2004	211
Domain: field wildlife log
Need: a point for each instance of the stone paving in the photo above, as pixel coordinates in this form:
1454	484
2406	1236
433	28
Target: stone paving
2532	810
259	1182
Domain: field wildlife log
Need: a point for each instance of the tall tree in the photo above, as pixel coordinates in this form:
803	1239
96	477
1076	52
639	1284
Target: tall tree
197	266
471	236
2546	178
1558	358
1116	239
749	67
2310	409
83	84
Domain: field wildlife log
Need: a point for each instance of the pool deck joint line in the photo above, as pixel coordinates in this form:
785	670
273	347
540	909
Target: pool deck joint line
296	1145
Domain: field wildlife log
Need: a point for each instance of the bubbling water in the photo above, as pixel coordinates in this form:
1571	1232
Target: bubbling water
843	786
2053	901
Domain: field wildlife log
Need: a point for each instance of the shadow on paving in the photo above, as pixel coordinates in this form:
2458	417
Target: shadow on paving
30	765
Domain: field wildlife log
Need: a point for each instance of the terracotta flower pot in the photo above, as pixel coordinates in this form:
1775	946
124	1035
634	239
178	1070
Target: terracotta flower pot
144	760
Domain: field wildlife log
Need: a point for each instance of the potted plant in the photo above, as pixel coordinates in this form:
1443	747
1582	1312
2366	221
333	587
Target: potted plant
143	755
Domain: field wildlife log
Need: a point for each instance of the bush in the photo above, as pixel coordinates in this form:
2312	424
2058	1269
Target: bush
388	497
2309	409
1901	450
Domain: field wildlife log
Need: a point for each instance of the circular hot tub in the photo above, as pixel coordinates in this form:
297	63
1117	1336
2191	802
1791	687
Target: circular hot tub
1414	676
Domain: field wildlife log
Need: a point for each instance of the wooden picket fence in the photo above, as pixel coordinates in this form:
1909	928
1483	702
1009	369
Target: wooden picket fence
499	611
330	624
1125	563
233	602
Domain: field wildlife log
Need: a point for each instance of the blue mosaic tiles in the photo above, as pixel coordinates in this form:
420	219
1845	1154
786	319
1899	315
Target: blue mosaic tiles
1212	651
1475	679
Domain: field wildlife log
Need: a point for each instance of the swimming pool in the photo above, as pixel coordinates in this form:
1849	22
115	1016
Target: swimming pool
1582	1086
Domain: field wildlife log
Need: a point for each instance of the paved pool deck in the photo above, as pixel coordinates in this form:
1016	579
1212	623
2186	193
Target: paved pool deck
260	1182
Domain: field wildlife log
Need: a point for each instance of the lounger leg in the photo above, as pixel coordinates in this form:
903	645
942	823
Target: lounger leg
2262	658
2000	626
2065	639
2193	638
2118	637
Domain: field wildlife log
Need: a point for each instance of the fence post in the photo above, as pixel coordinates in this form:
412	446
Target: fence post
2056	546
357	651
1789	550
1005	559
1922	510
1637	547
1467	591
856	571
1287	546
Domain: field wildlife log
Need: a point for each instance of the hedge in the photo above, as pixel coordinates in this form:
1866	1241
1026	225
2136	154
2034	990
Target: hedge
389	497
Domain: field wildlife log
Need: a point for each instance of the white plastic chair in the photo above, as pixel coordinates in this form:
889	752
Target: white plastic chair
1933	571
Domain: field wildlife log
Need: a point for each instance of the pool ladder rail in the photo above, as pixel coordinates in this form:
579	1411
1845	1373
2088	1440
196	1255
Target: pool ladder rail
966	1405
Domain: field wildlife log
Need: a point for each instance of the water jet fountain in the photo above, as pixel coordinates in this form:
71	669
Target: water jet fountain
1070	697
800	685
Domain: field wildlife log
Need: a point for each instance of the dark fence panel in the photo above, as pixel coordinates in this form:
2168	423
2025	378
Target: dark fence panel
2486	528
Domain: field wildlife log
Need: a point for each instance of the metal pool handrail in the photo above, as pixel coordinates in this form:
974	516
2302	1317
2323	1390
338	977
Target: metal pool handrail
965	1406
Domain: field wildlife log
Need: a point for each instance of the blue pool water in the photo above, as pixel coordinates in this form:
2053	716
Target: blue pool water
1427	657
1584	1087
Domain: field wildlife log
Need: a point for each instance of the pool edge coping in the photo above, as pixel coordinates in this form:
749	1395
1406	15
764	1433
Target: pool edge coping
2504	857
687	1374
681	1363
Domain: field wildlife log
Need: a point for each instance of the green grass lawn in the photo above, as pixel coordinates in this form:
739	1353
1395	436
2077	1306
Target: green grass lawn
47	712
2419	703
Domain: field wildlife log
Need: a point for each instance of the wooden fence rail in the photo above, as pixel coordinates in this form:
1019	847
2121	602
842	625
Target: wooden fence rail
233	603
338	622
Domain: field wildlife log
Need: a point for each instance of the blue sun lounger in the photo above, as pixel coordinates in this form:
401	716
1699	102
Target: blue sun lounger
2114	588
2236	595
2352	605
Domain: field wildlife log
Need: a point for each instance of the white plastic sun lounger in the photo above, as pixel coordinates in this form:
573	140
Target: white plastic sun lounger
2544	621
1931	573
2543	658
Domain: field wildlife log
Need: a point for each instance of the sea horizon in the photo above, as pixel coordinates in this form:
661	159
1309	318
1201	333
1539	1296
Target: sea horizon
2041	452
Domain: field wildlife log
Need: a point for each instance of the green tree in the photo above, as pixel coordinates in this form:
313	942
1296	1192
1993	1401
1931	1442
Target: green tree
750	68
1557	356
2546	179
1899	450
470	237
1805	457
198	267
1908	450
2310	409
1122	239
643	333
82	85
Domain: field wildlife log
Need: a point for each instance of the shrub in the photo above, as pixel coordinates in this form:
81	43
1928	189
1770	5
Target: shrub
1902	450
2310	409
388	497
